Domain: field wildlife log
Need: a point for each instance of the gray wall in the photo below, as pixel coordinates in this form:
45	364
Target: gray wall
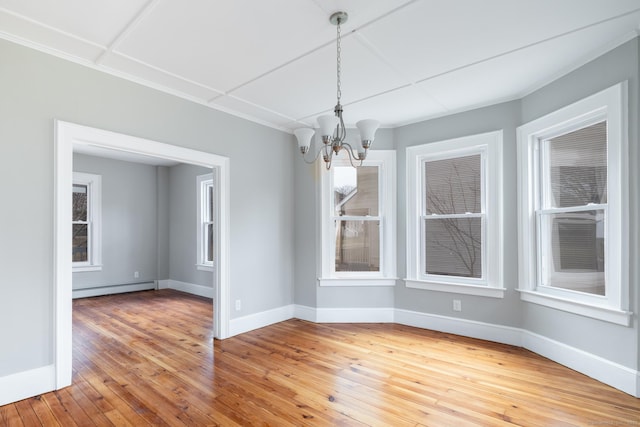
616	343
149	219
183	205
129	219
307	235
504	311
613	342
37	88
162	222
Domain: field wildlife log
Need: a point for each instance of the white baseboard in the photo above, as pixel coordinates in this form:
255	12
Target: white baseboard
26	384
344	315
108	290
191	288
259	320
618	376
467	328
603	370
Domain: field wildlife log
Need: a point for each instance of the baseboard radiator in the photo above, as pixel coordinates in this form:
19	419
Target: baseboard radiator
112	289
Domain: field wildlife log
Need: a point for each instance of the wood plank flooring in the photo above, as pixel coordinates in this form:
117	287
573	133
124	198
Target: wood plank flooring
147	358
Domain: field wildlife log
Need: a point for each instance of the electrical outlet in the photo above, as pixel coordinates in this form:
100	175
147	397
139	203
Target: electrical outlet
136	274
238	305
457	305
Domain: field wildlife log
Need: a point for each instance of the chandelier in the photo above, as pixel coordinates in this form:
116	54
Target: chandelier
331	128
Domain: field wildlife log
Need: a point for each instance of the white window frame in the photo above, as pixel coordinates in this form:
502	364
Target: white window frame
610	105
385	160
489	146
94	220
203	183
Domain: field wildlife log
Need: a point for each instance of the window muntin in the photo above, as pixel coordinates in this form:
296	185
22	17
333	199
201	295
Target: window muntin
454	215
453	218
358	222
86	221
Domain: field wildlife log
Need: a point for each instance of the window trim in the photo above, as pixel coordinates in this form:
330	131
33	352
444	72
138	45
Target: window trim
202	183
610	105
94	217
385	160
490	145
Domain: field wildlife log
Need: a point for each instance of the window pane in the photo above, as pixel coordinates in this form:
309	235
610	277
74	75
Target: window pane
578	167
80	239
453	246
576	244
357	245
209	243
355	190
210	202
453	185
79	200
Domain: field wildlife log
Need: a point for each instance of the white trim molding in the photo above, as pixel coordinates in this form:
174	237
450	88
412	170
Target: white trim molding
489	147
25	384
190	288
70	136
385	162
254	321
610	105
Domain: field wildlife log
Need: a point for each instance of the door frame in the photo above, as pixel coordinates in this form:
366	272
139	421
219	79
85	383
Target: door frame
66	137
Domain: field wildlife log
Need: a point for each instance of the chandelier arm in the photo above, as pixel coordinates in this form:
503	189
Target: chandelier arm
353	154
314	159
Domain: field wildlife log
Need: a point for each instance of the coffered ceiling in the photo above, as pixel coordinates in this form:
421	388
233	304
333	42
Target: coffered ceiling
274	61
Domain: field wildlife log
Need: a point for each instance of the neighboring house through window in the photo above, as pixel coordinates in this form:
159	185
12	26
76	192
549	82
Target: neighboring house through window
454	215
86	222
205	222
573	214
358	222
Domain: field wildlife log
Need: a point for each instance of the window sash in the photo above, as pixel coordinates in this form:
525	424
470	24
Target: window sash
359	250
91	184
206	222
87	221
425	216
457	279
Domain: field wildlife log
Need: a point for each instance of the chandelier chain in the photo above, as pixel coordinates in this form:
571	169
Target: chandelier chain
339	62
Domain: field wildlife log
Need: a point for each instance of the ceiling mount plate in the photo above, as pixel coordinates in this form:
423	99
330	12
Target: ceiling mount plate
339	18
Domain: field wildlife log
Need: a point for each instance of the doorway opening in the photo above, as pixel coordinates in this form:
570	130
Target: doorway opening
70	137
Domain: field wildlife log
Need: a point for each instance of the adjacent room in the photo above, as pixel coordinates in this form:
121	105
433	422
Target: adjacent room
382	212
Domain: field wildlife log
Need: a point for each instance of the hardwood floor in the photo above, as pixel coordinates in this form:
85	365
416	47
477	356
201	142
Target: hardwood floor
147	358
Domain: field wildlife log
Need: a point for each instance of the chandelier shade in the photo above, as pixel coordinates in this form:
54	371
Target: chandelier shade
331	128
304	135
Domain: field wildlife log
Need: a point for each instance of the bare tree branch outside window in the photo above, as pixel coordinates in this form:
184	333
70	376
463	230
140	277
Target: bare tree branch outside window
453	217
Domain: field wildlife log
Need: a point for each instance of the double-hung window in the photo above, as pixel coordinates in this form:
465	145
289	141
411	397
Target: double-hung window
205	222
86	222
454	210
358	222
573	221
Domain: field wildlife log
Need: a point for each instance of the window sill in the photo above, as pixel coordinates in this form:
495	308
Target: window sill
80	269
203	267
483	291
357	281
606	314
